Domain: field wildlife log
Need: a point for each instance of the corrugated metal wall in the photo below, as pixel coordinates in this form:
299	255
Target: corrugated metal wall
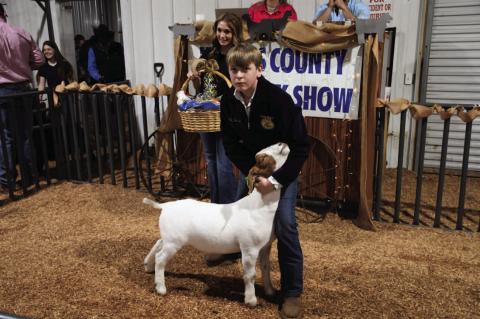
87	14
453	77
90	13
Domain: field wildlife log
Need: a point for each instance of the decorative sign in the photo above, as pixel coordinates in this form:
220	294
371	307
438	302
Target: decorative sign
378	8
322	84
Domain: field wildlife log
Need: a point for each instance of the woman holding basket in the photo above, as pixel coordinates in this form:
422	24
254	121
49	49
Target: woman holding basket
222	181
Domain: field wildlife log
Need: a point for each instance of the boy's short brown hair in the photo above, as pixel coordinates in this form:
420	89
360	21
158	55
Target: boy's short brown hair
243	54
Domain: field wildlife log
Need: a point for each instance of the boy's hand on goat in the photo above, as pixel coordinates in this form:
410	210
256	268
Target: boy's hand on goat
263	185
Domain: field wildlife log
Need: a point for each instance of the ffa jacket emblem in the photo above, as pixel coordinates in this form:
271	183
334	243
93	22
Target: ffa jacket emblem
267	122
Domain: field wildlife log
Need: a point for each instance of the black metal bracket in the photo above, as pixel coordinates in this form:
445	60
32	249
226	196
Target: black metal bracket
183	29
47	11
369	26
264	30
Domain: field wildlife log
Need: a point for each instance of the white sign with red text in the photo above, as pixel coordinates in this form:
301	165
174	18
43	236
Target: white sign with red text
379	7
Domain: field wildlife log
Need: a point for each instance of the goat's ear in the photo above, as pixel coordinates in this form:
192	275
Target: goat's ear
270	162
259	159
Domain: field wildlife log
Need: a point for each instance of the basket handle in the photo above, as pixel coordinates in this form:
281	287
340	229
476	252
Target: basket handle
219	74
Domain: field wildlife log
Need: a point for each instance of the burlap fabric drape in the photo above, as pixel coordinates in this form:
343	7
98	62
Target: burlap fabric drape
370	86
307	37
171	119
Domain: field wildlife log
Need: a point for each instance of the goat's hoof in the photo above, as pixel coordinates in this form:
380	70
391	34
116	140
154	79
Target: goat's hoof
251	302
149	268
161	290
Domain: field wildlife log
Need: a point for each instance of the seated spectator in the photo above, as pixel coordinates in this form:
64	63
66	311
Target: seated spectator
270	9
342	10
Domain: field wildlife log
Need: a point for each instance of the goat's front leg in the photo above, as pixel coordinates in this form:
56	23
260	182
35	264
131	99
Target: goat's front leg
265	268
149	261
249	259
161	259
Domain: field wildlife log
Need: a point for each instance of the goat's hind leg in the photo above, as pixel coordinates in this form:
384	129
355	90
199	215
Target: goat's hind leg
149	261
249	260
265	268
161	259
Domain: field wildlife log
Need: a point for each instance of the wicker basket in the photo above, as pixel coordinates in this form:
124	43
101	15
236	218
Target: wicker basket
197	120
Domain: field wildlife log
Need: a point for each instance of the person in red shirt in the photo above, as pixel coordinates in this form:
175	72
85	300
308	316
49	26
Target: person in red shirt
271	9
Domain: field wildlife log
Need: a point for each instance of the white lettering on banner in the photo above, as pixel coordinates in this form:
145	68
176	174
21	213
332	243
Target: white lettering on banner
322	84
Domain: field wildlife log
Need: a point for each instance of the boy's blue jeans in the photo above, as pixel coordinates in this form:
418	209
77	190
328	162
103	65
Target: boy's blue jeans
290	256
222	181
21	114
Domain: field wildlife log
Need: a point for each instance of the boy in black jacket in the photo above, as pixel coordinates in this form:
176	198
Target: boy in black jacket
255	114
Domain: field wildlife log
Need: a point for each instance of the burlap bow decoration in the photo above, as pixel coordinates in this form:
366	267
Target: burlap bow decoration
421	111
140	89
204	65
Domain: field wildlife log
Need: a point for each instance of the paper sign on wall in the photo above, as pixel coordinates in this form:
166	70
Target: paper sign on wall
379	8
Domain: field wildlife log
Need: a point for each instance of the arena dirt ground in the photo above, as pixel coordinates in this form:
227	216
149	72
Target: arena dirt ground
76	251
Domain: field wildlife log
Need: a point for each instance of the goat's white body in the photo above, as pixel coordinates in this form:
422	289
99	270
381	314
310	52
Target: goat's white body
246	226
248	221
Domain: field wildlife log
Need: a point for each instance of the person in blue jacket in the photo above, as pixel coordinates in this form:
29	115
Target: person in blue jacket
106	62
342	10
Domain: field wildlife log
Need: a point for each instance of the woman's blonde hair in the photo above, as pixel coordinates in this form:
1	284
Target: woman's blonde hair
242	55
234	23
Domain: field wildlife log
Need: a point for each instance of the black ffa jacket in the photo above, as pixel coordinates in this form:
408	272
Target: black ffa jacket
273	118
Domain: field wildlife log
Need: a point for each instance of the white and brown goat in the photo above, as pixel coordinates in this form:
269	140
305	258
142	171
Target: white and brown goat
245	225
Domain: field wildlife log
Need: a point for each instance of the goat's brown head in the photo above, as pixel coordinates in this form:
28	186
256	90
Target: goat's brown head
267	161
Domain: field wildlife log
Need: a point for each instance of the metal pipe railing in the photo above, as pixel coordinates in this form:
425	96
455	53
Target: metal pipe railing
422	138
441	173
421	157
463	181
398	188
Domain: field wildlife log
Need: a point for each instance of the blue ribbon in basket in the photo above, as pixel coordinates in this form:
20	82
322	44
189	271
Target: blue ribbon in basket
203	105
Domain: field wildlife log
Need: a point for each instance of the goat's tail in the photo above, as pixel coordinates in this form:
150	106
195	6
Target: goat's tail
152	203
